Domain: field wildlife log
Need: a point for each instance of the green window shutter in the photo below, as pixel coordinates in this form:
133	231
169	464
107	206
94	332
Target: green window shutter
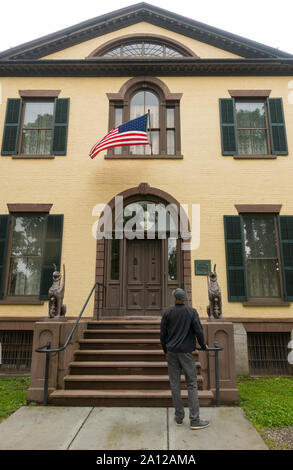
51	252
235	258
228	126
286	239
277	126
4	230
11	126
60	128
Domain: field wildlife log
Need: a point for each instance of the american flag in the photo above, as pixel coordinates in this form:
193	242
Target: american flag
133	132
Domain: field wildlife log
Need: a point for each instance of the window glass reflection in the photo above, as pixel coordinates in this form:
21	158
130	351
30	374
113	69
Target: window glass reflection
26	255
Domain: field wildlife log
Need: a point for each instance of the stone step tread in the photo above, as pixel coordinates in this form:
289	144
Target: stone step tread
119	340
120	364
124	393
127	322
133	352
116	330
118	378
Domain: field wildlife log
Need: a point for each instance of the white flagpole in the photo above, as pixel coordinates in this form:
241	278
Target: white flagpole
151	144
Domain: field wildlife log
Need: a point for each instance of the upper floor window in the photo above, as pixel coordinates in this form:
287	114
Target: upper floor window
164	124
252	126
35	126
142	102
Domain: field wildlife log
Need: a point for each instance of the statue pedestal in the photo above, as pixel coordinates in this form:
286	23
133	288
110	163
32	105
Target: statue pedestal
56	331
216	319
55	319
222	331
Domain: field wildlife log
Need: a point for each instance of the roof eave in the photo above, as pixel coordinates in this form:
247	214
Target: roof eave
187	66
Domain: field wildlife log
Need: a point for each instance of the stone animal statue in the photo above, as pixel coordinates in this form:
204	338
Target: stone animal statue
56	295
214	309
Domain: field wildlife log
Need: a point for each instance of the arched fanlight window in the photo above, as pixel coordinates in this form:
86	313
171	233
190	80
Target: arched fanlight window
142	49
143	45
151	216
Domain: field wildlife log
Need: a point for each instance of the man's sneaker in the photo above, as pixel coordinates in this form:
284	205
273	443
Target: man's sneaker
199	424
179	421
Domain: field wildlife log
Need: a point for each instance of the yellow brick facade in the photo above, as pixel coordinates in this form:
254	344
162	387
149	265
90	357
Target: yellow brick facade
75	184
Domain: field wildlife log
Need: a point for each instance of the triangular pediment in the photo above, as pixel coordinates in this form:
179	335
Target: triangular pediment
157	18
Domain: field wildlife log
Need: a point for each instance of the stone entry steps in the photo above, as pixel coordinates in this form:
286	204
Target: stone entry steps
121	363
145	344
117	382
150	398
120	355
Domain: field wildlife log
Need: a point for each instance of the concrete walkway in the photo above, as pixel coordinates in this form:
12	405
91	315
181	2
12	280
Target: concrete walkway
87	428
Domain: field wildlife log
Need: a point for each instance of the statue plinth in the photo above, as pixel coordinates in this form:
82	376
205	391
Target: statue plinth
55	319
216	319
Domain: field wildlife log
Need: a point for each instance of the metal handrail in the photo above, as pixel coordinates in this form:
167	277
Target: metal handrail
47	347
217	348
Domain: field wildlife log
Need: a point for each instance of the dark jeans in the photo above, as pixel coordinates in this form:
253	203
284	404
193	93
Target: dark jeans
176	363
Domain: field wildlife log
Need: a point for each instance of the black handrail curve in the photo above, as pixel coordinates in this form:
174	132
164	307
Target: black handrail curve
47	347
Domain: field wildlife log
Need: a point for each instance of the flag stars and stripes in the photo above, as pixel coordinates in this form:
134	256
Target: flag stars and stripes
133	132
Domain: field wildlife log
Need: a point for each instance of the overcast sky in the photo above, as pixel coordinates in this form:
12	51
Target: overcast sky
264	21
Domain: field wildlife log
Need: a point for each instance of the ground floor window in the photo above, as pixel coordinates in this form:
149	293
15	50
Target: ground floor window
261	256
26	255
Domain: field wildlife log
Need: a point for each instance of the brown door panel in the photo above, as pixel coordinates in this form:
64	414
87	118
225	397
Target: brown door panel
144	270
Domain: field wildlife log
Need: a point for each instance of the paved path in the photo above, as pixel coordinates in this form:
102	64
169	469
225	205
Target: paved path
87	428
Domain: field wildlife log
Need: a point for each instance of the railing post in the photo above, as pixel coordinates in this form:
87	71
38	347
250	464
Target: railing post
216	344
46	383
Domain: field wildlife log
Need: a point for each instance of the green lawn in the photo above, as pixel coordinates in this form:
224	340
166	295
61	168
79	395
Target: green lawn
268	404
12	394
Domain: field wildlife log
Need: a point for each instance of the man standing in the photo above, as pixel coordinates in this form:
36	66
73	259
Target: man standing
180	326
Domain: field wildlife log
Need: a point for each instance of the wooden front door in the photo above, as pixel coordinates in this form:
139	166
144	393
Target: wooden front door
140	275
143	277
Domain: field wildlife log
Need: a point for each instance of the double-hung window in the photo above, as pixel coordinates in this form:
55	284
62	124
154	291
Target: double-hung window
163	126
35	127
25	257
259	257
30	245
252	127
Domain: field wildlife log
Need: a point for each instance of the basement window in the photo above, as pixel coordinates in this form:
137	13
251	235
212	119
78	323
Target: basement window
268	354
